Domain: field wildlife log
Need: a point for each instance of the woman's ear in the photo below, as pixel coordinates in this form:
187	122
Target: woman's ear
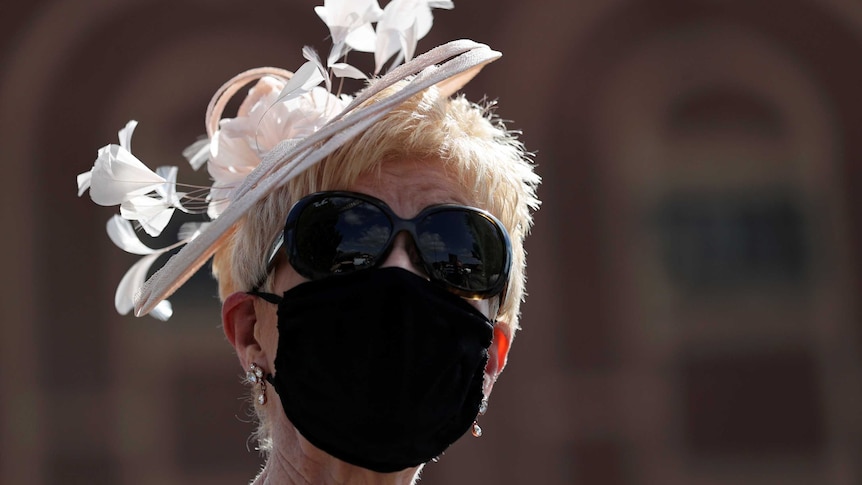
239	317
497	355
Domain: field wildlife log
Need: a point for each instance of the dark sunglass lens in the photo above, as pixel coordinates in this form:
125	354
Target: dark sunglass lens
336	235
464	249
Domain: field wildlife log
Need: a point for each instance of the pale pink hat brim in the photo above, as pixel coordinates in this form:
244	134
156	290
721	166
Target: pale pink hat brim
449	67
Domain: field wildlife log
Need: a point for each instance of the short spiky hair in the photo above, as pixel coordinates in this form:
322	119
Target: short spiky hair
493	167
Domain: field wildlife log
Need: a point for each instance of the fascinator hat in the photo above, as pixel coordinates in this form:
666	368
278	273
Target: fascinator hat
289	122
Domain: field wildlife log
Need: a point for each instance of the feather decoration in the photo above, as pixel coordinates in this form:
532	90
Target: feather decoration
287	122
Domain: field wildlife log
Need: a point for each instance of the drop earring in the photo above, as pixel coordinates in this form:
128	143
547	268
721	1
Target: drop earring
255	376
483	408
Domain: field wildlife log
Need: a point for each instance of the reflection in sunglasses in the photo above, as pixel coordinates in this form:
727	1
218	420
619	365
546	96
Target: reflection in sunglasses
464	249
432	241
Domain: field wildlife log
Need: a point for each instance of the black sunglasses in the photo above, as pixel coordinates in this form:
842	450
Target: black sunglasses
463	249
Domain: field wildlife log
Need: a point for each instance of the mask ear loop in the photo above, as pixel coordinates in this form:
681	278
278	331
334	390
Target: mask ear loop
268	297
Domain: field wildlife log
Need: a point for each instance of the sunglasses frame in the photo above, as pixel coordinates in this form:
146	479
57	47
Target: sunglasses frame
398	225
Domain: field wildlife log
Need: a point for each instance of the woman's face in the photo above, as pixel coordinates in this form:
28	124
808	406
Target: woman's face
405	186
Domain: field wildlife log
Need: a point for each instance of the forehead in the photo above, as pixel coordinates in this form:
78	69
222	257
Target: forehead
408	186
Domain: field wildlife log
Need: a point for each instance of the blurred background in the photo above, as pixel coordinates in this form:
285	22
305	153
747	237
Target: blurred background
694	271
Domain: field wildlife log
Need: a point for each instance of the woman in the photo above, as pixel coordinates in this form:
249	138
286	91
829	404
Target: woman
369	253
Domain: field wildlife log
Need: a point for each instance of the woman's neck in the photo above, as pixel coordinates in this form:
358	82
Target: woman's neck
295	461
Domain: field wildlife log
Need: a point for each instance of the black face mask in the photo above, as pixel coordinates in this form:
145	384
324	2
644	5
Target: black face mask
381	368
